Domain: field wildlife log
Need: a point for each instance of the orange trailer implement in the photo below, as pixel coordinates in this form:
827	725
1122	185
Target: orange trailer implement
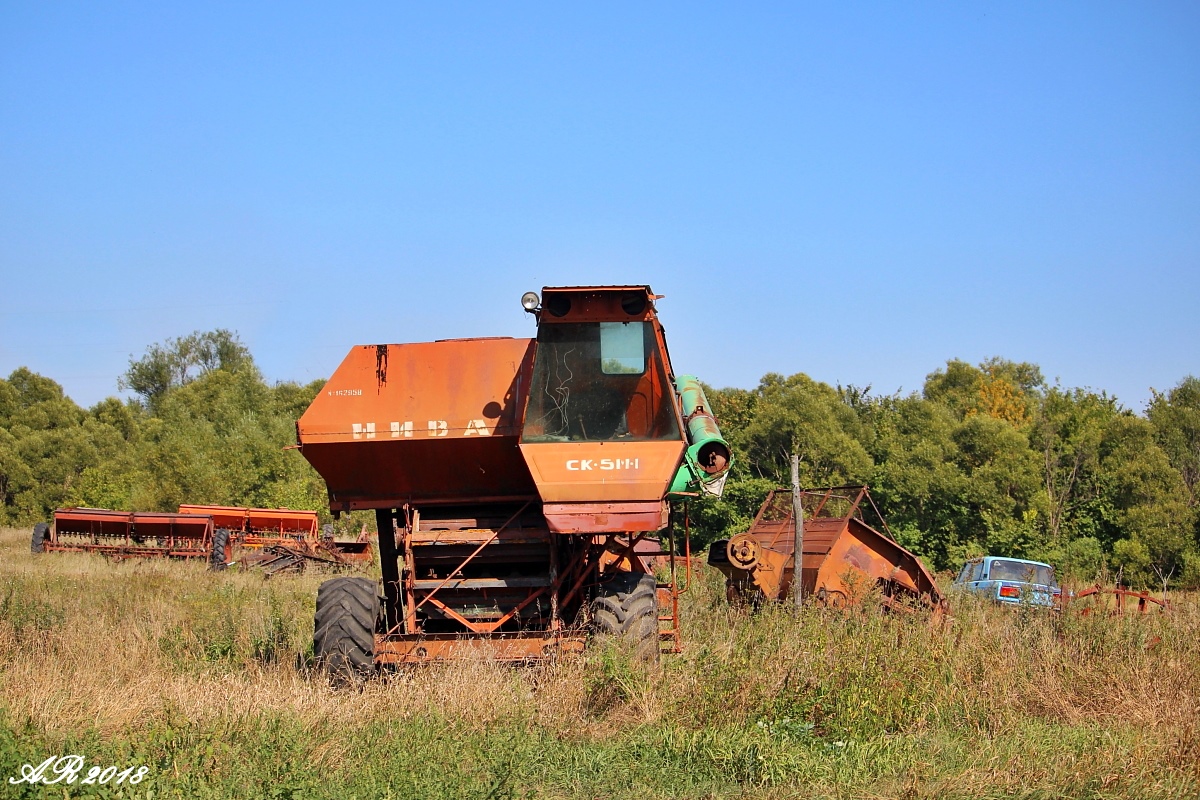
126	534
256	529
845	559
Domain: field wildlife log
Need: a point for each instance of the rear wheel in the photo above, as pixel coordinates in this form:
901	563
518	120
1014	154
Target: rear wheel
41	532
344	627
216	557
626	608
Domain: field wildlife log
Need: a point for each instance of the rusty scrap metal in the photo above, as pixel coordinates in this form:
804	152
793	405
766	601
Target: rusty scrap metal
278	558
1116	600
252	530
844	559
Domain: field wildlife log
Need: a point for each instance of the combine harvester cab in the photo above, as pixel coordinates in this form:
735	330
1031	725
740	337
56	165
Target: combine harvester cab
512	481
845	559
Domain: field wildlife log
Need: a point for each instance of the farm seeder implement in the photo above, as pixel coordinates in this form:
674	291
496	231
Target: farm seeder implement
259	535
213	533
125	534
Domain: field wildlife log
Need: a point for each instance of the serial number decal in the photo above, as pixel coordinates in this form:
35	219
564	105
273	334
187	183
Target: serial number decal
604	464
344	392
66	769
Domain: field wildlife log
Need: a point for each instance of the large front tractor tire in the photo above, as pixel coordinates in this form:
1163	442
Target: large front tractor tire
348	610
626	609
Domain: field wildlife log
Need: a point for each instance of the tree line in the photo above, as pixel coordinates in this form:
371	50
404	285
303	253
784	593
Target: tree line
205	427
986	459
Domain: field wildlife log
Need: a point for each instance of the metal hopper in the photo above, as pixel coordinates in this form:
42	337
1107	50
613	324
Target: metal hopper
845	559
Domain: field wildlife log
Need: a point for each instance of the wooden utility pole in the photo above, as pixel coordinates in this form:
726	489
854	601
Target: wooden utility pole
798	522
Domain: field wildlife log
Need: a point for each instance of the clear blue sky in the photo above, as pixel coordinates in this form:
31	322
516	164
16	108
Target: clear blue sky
857	191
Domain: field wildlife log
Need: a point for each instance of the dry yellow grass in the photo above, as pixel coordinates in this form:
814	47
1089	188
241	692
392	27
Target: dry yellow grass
170	663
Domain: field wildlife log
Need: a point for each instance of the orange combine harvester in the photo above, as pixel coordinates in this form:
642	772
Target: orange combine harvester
515	483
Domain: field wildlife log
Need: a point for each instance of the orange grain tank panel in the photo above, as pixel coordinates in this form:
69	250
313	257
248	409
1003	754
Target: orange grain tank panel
427	422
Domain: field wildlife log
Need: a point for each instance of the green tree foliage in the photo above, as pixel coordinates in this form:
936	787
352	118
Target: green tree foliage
988	459
1176	419
998	388
1149	502
46	442
211	431
799	415
178	362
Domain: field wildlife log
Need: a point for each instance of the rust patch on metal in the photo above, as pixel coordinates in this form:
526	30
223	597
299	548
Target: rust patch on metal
381	364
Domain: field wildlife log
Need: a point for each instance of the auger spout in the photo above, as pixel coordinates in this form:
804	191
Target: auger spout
708	457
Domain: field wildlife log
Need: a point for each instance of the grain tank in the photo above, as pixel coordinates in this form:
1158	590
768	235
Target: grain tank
512	481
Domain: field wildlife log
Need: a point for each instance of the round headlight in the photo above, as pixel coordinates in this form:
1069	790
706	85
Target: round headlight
530	301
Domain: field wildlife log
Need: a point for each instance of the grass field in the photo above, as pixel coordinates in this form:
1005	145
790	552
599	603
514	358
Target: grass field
200	677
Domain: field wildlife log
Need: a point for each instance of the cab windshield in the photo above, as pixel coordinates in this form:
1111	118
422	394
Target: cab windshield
598	381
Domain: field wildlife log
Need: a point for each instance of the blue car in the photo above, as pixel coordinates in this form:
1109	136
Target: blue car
1010	580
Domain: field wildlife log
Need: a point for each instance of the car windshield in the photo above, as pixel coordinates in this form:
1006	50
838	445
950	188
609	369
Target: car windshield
1020	571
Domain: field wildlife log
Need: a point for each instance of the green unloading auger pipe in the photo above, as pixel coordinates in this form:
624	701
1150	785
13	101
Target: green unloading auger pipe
708	456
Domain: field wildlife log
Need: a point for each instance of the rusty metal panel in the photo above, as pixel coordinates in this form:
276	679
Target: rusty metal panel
596	303
597	518
97	522
222	516
843	555
92	522
534	646
867	554
286	522
427	422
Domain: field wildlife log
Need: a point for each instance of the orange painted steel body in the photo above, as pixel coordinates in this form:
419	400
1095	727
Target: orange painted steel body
126	534
498	488
259	528
843	556
396	424
275	524
571	476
